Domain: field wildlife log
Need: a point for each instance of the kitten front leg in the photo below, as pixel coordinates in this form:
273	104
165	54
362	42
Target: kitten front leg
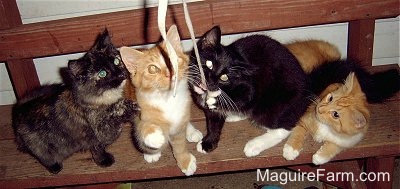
124	110
185	160
192	134
101	157
294	143
215	122
327	151
258	144
151	135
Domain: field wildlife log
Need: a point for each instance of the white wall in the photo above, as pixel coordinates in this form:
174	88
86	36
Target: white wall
386	45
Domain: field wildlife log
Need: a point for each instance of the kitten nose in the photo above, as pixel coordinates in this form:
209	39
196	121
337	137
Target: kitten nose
123	74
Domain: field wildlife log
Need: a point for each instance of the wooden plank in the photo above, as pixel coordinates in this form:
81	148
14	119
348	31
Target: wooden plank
322	175
361	40
379	165
335	173
9	14
21	170
23	76
22	73
139	26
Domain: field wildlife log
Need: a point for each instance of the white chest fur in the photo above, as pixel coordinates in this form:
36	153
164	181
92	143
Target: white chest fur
173	108
325	133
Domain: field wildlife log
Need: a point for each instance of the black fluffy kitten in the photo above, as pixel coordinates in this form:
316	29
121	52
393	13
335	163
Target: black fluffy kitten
57	120
255	77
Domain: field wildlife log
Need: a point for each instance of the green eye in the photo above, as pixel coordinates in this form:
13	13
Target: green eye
102	73
117	60
224	77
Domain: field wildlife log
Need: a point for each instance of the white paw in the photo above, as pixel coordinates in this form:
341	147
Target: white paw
235	118
253	147
191	167
155	139
192	134
319	160
199	148
289	153
151	158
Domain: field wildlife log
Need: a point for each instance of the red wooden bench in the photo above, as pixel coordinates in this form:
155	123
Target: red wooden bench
19	44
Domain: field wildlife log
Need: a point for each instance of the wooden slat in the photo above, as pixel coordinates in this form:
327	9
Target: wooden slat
21	170
139	26
22	72
361	40
23	76
380	165
324	173
9	14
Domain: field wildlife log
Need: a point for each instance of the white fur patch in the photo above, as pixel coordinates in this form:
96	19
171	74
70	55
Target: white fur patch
258	144
325	133
209	64
155	139
191	167
174	108
199	148
192	134
211	103
151	158
319	160
289	153
232	117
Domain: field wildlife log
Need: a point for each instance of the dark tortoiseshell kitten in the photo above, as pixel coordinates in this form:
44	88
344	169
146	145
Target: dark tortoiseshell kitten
86	113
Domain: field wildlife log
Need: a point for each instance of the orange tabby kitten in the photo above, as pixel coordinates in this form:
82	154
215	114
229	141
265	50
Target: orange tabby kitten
312	53
339	120
164	117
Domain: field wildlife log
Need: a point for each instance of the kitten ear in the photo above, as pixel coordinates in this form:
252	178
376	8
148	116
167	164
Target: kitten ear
359	120
211	38
349	82
174	39
75	67
130	57
103	41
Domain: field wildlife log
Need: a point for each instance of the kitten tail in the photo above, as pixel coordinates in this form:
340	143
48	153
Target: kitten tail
377	87
384	85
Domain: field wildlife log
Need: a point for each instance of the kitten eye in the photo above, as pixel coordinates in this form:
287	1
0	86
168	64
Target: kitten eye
102	73
335	115
153	69
329	98
224	77
117	60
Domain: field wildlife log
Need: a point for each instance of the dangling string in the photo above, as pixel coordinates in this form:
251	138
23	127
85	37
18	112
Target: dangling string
196	51
162	14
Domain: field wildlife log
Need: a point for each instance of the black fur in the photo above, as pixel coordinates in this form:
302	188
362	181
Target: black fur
55	121
377	86
266	83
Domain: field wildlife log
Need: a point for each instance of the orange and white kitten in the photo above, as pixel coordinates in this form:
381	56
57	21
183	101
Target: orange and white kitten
339	119
164	117
313	53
